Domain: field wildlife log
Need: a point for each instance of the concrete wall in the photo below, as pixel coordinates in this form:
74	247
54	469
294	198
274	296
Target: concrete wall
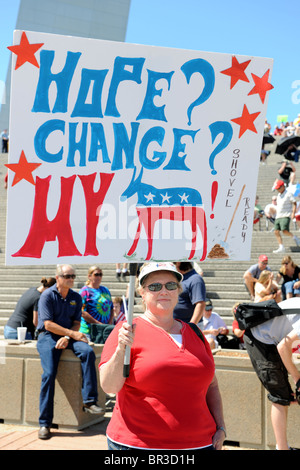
246	406
20	378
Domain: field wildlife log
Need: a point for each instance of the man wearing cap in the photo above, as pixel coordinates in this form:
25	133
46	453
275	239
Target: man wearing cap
191	301
286	209
212	325
252	274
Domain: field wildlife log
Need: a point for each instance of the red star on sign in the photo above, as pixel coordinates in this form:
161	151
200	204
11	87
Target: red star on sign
261	86
246	121
23	170
237	71
25	52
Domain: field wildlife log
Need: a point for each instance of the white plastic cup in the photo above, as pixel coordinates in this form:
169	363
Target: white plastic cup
22	330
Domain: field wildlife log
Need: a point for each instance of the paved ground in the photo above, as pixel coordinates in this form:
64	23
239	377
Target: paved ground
26	438
13	437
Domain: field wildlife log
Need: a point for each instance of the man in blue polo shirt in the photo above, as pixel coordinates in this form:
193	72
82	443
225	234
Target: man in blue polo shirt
59	315
191	301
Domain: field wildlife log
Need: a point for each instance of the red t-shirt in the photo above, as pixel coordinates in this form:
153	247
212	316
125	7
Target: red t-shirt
235	326
162	404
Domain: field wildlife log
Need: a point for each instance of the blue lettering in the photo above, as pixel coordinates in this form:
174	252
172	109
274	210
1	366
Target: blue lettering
123	143
41	137
98	142
155	134
216	128
178	162
77	145
92	109
149	110
206	70
124	69
63	81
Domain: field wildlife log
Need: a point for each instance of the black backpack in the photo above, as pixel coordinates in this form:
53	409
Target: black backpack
253	314
197	331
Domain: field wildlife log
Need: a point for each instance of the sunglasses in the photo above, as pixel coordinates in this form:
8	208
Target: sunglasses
98	274
68	276
157	286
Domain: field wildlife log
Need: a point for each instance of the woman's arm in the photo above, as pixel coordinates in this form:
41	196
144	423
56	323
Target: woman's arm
111	318
88	318
72	332
111	373
214	402
262	290
285	349
35	318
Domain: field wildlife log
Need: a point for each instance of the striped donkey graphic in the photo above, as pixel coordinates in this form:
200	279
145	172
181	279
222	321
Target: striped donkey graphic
176	204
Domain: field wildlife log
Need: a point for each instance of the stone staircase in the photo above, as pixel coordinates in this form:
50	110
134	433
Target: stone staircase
223	279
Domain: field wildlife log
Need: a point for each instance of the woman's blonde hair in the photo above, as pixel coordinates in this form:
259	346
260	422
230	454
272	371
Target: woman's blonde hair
90	271
264	276
233	310
286	259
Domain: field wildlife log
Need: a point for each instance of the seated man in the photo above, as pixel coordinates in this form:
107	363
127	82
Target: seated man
252	274
270	347
59	315
212	325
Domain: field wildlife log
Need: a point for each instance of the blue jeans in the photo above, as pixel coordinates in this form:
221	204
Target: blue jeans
114	446
288	288
50	359
12	333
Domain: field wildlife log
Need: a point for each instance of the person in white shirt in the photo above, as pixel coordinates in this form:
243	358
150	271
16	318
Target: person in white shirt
212	325
271	210
270	347
286	208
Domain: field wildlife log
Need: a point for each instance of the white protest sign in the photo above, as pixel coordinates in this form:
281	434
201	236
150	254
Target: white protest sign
125	153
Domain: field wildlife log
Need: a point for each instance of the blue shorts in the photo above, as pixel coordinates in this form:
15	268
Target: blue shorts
289	288
270	369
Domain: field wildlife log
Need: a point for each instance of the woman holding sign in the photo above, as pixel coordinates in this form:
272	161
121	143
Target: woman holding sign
171	398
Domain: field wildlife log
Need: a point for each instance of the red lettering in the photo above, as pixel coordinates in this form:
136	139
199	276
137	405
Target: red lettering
43	230
94	202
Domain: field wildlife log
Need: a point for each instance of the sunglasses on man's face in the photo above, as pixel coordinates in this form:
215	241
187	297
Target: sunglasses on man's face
157	286
68	276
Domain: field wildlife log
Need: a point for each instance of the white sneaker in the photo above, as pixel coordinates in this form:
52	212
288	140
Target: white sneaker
281	249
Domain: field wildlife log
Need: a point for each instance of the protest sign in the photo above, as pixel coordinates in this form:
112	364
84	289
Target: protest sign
125	153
